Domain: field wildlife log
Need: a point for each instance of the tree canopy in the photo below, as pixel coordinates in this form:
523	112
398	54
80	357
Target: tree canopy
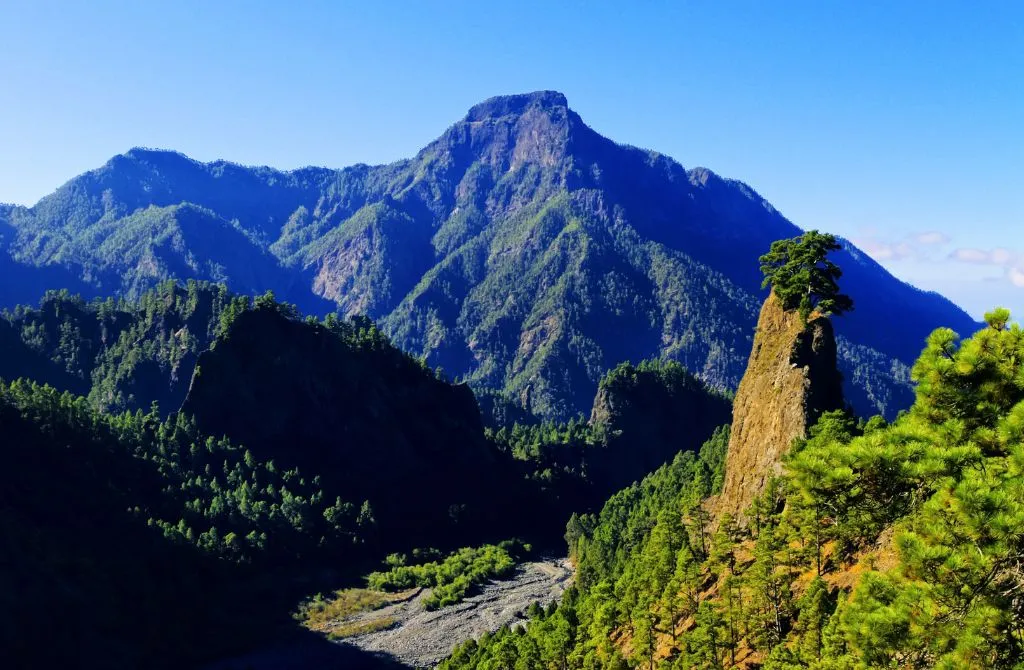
803	278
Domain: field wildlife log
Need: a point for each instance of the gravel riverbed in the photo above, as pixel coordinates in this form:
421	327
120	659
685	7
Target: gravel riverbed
421	639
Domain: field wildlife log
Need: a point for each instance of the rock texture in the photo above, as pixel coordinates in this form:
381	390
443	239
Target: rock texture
791	379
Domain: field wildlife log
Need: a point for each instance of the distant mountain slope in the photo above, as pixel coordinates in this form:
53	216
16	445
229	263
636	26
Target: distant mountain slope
521	251
335	398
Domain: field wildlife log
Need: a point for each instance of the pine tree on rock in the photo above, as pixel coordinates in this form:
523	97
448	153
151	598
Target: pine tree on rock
802	277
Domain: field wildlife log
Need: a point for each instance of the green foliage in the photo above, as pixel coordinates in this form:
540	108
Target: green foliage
940	490
530	282
128	524
207	492
625	555
801	275
643	415
122	355
149	523
452	578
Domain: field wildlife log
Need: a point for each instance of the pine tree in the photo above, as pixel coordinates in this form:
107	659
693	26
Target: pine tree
802	277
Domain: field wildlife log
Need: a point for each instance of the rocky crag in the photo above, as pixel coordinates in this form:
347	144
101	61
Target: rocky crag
791	379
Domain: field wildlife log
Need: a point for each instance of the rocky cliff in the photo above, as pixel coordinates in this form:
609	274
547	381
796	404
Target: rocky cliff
791	378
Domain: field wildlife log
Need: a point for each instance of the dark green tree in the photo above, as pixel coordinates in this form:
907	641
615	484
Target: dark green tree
803	278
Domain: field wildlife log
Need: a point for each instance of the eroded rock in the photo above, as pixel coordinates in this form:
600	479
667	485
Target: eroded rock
791	379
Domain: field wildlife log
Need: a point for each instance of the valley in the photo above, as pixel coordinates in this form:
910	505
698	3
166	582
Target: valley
344	418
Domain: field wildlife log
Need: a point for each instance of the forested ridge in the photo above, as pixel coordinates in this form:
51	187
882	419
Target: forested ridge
121	354
252	456
131	541
160	543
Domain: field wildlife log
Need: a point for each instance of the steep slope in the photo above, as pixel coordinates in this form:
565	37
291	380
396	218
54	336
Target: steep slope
27	282
123	355
649	413
147	216
338	400
790	381
643	416
520	251
18	360
142	543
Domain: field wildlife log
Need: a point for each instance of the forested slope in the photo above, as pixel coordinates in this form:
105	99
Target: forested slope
296	455
879	546
122	354
129	541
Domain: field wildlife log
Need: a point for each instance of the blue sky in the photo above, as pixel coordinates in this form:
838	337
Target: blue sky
900	127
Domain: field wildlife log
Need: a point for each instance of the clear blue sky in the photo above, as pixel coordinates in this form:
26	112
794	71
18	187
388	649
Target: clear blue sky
901	127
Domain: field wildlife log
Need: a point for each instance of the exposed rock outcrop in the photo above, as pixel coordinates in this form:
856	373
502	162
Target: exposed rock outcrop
791	378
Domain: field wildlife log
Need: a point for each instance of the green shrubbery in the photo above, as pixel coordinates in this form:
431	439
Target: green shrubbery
454	577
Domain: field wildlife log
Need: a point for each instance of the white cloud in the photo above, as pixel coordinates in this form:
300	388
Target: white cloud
1011	262
999	257
883	251
926	246
931	238
1002	256
916	245
971	256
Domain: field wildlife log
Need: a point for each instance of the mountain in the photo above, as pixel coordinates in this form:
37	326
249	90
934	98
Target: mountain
145	532
521	251
649	413
337	399
159	546
123	355
643	416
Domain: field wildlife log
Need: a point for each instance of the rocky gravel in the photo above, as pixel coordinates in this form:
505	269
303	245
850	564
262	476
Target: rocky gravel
421	639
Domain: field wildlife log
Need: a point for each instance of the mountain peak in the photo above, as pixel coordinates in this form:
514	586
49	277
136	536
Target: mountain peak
147	154
514	105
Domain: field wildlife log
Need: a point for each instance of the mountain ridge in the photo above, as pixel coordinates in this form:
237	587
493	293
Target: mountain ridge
521	251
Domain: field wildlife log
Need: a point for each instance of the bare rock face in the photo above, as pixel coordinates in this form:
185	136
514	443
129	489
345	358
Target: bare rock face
791	378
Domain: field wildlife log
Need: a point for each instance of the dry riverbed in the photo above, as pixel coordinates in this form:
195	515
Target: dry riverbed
415	637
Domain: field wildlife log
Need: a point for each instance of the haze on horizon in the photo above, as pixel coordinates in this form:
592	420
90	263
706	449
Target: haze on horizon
898	128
